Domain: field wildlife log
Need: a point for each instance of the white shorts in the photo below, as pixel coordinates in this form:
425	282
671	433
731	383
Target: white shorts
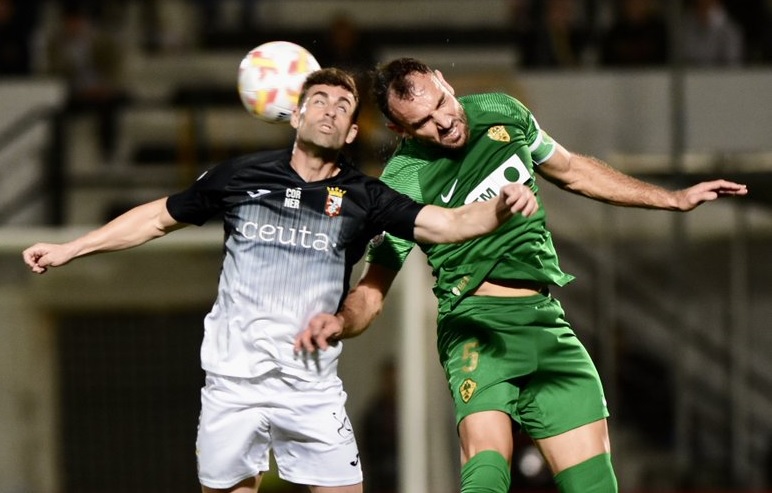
304	423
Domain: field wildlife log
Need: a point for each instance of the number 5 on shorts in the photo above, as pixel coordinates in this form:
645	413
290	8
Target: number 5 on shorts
470	356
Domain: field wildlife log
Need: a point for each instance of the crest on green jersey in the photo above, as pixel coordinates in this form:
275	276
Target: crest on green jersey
498	133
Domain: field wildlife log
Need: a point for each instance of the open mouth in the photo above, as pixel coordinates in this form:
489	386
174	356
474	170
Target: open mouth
453	135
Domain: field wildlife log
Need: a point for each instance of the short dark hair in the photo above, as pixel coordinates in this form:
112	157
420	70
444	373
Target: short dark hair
393	76
332	76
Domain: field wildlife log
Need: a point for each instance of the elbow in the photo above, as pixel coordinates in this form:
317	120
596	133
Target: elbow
158	230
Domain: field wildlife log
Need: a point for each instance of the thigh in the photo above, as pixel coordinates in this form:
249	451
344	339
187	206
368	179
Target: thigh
355	488
313	439
249	485
233	440
486	430
575	446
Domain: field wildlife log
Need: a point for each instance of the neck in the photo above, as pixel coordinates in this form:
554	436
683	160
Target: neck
314	166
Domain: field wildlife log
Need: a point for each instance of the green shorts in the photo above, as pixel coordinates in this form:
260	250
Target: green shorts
519	356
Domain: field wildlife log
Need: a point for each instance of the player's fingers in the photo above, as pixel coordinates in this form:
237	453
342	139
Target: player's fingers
45	260
512	193
725	185
530	205
530	208
36	261
698	197
303	342
722	187
30	257
742	190
317	334
524	204
517	204
321	342
327	333
299	343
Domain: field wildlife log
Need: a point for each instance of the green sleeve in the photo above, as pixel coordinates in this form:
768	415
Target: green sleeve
400	174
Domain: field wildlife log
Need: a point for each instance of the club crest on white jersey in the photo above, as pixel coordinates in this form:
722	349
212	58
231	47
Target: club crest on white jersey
334	203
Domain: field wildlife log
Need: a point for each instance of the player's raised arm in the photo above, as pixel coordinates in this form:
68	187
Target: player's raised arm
133	228
593	178
440	225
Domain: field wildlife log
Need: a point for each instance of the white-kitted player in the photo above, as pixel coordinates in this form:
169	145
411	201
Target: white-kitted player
296	221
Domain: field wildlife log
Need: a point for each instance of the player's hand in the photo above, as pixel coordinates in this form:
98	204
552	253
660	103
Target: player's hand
691	197
520	199
43	255
322	331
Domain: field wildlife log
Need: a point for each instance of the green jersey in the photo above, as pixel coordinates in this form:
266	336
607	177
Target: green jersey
505	143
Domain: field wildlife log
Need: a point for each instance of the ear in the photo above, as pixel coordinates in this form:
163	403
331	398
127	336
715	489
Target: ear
396	129
352	133
444	83
295	117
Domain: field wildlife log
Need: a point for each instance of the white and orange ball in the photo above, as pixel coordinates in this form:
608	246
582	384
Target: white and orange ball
270	79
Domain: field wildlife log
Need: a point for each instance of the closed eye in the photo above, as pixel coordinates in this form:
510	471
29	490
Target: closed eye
423	121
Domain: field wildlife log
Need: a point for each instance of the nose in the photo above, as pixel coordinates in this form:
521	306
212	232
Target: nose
443	122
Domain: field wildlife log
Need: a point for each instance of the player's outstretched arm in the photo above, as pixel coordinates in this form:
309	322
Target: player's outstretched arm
133	228
441	225
361	306
591	177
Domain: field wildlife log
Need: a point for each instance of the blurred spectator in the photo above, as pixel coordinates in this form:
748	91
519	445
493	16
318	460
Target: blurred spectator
379	448
754	19
710	37
560	38
220	20
91	61
345	45
521	18
638	36
167	27
151	29
17	21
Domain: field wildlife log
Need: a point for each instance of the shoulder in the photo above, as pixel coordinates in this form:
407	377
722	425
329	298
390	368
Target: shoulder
359	184
248	164
262	158
405	163
358	179
493	103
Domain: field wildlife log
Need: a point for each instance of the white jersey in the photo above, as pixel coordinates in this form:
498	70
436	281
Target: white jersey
290	246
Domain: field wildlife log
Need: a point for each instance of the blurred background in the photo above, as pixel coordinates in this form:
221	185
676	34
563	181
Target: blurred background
107	104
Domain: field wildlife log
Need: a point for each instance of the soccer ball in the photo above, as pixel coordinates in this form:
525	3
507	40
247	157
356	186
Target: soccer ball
271	77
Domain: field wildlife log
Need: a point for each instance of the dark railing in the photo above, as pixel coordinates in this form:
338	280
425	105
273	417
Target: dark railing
709	381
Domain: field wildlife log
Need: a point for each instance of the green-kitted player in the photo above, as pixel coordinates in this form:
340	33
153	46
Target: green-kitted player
509	354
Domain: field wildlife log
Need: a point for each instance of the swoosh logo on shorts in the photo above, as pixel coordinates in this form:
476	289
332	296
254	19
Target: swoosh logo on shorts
446	197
